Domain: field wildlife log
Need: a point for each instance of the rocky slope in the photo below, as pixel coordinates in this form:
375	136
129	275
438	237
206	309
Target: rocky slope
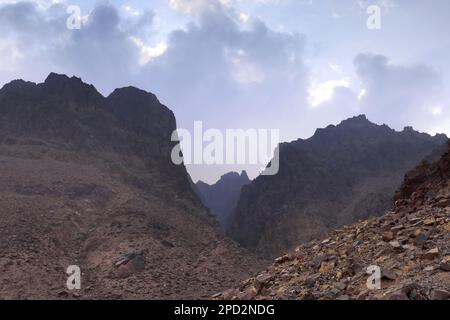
410	245
341	174
222	197
87	180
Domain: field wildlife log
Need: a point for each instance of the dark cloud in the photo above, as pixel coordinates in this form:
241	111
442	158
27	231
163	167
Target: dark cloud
398	95
101	51
215	66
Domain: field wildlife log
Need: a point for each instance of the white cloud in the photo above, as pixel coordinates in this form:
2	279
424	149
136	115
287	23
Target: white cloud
147	53
361	94
436	111
191	7
323	91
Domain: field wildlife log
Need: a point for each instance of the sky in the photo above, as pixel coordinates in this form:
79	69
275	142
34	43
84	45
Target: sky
291	65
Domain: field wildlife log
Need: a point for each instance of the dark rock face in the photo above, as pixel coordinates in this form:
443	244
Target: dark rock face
341	174
222	197
410	246
87	180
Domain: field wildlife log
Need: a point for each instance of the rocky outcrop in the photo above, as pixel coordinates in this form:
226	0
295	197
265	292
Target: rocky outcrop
341	174
409	246
87	180
222	197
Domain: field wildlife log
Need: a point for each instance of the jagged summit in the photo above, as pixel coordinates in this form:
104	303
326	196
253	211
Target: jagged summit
54	78
356	120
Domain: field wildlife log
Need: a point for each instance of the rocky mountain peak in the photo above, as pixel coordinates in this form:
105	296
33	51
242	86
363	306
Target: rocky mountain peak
142	112
341	174
357	120
221	198
18	86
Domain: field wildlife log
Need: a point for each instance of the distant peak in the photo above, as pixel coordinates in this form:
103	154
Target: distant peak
244	175
409	129
58	83
361	119
18	85
231	174
60	78
134	93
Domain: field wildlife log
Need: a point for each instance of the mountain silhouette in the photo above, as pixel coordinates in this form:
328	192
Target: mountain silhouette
222	197
341	174
87	180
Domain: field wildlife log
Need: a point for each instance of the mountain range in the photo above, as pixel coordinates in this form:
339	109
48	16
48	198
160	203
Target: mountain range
88	181
340	175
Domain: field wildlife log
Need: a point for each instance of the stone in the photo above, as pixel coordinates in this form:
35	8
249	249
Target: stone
388	236
398	296
429	222
421	239
432	254
326	266
445	264
282	259
439	294
398	228
388	274
443	203
429	268
447	227
340	286
396	246
130	263
263	278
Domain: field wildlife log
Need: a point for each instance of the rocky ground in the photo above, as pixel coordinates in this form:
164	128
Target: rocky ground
410	244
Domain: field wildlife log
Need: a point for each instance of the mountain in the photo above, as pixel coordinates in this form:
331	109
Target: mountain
341	174
410	246
88	180
222	197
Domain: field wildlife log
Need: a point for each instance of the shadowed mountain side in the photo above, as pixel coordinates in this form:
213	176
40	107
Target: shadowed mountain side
222	197
87	180
340	175
410	246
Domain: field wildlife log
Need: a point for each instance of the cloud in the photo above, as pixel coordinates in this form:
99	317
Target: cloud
227	66
322	92
107	51
215	65
197	6
396	94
